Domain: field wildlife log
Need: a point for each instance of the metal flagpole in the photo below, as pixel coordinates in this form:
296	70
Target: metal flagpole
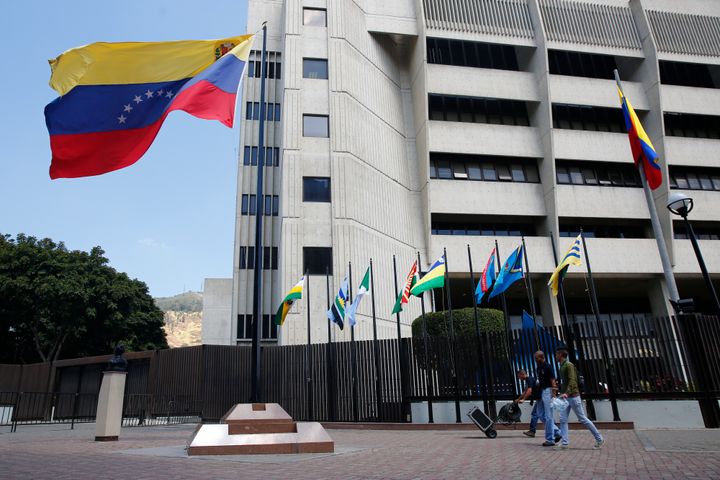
453	342
657	228
400	347
330	354
353	355
308	378
481	356
428	373
257	271
502	295
530	292
376	347
601	332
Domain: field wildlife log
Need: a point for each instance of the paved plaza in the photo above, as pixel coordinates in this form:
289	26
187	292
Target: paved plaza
56	452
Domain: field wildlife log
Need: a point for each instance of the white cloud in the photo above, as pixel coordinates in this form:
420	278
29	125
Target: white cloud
152	243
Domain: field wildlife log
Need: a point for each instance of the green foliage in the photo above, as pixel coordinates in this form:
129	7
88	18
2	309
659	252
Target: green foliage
58	300
183	302
491	321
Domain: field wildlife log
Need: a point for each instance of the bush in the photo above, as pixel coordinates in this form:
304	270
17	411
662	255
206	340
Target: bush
438	323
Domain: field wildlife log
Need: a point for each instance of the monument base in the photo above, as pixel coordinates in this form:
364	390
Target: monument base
259	428
110	406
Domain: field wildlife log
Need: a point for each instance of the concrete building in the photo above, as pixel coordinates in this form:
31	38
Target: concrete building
408	126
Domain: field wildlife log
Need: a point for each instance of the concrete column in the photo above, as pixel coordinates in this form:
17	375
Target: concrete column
658	296
110	406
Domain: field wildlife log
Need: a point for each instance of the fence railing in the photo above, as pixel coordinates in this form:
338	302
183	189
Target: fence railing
646	358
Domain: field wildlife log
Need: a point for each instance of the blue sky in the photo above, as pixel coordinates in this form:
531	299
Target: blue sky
167	220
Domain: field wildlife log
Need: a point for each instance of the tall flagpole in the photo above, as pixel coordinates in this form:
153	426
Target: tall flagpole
657	228
308	377
601	332
331	353
401	349
502	295
376	347
258	270
428	372
353	355
532	295
481	356
453	342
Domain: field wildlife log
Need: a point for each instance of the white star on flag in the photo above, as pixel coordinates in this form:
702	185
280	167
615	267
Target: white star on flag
160	92
169	94
137	99
121	118
128	108
149	93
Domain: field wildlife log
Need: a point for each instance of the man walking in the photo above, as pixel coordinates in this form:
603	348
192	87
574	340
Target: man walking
570	391
532	392
546	383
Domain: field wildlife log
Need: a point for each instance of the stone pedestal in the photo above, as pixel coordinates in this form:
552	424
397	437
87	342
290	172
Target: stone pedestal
110	406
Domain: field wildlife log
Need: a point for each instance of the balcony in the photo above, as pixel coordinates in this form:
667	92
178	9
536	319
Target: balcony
585	201
485	139
539	251
686	261
482	82
590	145
698	152
617	256
703	101
595	92
486	198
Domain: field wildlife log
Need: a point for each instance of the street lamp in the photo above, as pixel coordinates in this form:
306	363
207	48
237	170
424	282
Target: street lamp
681	205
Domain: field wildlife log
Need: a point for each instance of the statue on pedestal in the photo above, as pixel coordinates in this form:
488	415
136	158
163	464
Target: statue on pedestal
117	363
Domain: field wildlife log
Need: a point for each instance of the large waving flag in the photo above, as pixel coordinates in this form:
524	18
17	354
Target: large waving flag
512	271
404	296
336	313
434	278
642	148
572	257
294	294
115	97
363	289
487	279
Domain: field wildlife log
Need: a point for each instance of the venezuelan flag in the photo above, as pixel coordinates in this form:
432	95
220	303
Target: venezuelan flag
572	257
114	97
434	278
640	144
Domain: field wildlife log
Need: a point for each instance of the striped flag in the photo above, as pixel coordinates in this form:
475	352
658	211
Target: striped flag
404	296
572	257
434	278
295	293
336	313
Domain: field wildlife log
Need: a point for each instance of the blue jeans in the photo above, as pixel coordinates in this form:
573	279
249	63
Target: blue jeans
550	428
575	404
536	414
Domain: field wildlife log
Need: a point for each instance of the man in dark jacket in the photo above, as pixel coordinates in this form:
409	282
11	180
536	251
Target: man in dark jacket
532	392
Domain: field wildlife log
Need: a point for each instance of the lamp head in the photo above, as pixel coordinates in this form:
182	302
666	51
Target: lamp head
679	204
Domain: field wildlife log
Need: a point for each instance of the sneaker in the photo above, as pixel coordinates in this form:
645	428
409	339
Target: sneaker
548	444
557	438
598	444
562	446
529	433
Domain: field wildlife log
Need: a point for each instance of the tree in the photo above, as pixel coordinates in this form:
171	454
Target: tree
57	302
438	323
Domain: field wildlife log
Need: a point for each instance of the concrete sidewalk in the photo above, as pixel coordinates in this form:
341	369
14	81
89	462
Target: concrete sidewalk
55	452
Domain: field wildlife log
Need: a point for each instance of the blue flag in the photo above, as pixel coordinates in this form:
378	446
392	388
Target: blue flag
511	271
487	279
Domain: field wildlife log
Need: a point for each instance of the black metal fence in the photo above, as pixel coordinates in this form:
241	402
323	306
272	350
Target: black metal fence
671	358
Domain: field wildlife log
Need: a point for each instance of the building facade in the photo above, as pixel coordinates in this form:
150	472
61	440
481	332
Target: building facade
420	125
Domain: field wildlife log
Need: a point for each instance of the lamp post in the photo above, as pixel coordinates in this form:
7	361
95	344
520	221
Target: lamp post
681	205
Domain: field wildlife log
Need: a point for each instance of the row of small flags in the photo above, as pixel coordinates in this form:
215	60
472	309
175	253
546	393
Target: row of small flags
490	284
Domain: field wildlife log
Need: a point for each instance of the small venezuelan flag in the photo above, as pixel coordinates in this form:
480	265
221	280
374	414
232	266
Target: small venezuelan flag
295	293
114	97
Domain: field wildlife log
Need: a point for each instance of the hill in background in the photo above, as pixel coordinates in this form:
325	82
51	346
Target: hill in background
183	318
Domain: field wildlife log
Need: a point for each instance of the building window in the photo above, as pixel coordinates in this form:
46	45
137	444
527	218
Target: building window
687	74
316	189
270	204
703	230
581	117
604	174
478	110
471	54
244	327
317	260
315	68
315	17
316	126
242	263
688	178
576	64
269	258
255	64
478	225
272	111
691	125
593	228
272	156
483	167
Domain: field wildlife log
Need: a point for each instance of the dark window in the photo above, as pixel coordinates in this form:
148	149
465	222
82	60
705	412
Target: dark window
317	260
254	156
249	111
571	172
315	68
251	258
471	54
244	204
578	64
593	228
267	258
254	67
275	205
703	230
242	262
694	178
693	126
478	110
315	17
482	167
316	189
580	117
246	156
267	210
277	112
316	126
269	157
474	225
244	327
687	74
